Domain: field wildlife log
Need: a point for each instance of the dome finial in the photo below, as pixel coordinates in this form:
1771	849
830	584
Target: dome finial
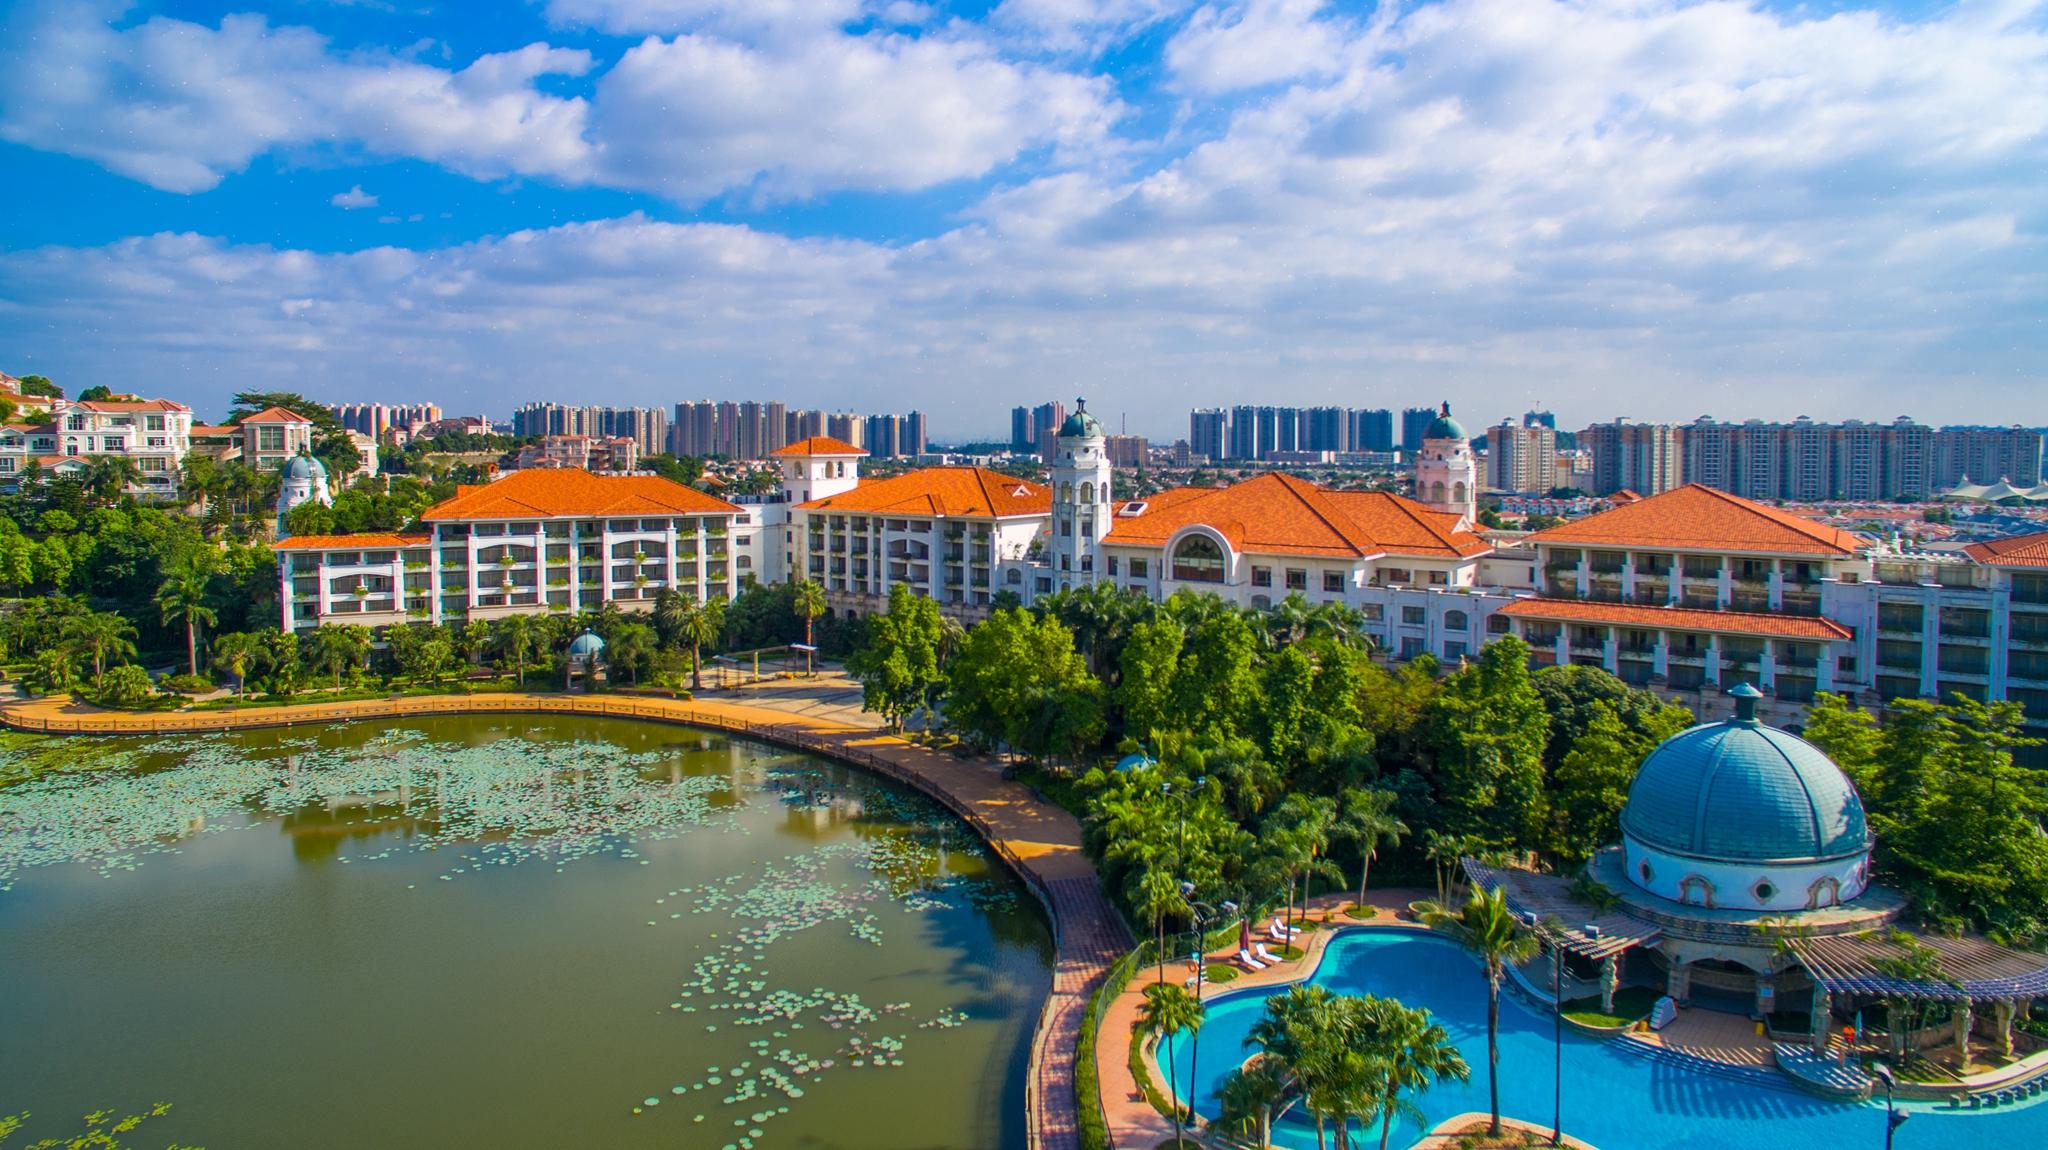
1745	697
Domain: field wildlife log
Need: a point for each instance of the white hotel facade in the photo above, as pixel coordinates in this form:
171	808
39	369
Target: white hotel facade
1689	592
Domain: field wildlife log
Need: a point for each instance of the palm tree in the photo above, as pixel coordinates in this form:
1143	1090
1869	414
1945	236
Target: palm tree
1416	1051
1287	622
808	600
630	647
235	650
1368	819
1168	1010
107	477
328	649
182	597
1249	1095
471	638
671	608
1486	928
1289	1035
105	634
515	635
702	628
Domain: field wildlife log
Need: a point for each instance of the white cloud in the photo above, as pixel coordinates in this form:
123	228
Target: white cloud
179	105
696	115
1255	43
632	17
1650	208
352	199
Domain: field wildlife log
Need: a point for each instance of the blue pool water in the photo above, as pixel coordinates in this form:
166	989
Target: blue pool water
1613	1098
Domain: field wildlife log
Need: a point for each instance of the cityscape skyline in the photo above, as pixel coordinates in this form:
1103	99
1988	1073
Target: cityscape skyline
1157	205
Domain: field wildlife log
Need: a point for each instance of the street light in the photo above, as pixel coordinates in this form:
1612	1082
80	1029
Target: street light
1546	931
1893	1116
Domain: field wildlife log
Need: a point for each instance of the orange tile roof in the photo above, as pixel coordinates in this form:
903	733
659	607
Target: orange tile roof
1676	619
275	415
207	430
566	491
117	406
956	492
2014	551
1278	513
819	445
347	542
1700	518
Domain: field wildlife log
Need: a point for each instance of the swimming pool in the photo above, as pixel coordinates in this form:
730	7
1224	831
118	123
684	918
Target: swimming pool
1614	1098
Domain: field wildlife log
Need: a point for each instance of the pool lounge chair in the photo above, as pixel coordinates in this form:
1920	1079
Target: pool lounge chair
1280	933
1245	959
1265	956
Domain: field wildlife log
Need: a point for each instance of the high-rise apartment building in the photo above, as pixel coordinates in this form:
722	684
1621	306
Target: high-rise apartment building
1208	428
1372	429
1521	458
1415	422
1805	460
1639	457
379	420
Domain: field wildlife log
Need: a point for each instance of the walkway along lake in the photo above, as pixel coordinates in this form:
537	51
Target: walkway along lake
508	930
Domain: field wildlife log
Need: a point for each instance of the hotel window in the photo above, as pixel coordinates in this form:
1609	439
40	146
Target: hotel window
1112	566
1413	616
270	439
1333	580
1141	568
1262	576
1198	560
1297	579
154	423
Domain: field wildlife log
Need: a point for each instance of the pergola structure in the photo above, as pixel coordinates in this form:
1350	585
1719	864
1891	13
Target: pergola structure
1568	922
1975	971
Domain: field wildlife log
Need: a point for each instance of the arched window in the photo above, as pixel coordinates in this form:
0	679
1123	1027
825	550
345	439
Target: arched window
1436	492
1825	891
1695	890
1262	602
1013	576
1066	493
1198	560
1087	493
1458	492
1457	621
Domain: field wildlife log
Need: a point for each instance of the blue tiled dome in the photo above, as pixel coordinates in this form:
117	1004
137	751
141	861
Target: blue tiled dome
1738	791
304	467
585	645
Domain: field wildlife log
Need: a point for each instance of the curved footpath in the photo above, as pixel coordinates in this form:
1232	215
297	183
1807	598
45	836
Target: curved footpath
1040	841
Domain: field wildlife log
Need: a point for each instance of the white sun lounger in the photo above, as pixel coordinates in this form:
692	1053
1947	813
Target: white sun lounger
1280	933
1265	956
1245	959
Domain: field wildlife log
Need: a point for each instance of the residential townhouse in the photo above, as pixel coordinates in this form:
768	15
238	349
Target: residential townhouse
65	437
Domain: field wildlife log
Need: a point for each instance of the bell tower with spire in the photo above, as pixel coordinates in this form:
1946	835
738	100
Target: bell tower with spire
1081	478
1446	472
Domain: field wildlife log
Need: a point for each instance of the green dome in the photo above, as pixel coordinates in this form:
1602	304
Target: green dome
1080	425
1738	791
1444	426
304	467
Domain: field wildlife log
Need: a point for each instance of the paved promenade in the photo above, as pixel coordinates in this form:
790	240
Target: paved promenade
1040	841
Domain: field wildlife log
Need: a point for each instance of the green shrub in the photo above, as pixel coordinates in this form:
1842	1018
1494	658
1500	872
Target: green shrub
126	686
187	684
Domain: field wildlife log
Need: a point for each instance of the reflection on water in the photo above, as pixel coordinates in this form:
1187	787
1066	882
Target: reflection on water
509	932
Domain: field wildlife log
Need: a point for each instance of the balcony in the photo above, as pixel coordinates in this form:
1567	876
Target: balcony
1690	656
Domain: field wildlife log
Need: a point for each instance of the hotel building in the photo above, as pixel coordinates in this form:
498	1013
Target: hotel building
530	542
62	437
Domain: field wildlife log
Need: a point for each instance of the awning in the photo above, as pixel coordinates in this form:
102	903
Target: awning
1580	928
1972	967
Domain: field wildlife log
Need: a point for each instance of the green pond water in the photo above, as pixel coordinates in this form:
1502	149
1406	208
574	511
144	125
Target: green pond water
504	932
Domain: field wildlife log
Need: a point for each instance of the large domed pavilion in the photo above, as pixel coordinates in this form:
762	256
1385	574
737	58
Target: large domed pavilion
1742	883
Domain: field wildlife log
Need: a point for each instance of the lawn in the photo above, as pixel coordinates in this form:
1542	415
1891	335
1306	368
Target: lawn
1630	1004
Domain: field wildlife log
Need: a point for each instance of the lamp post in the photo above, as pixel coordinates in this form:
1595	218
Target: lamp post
1202	915
1549	933
1893	1116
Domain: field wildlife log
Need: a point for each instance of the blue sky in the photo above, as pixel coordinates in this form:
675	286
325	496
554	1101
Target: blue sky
1614	207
